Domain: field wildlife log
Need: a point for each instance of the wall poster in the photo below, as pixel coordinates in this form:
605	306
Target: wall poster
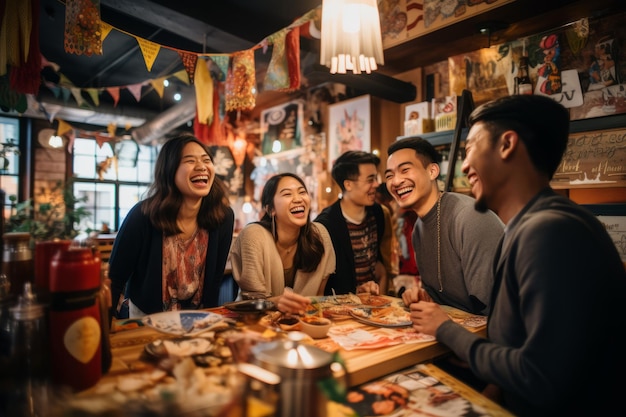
593	159
613	217
282	127
348	127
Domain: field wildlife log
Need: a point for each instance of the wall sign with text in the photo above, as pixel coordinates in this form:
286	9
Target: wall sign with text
593	159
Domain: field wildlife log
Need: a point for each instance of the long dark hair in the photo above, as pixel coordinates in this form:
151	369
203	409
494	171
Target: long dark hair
164	198
310	246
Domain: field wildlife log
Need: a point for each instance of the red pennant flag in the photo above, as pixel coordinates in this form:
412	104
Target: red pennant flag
189	61
115	93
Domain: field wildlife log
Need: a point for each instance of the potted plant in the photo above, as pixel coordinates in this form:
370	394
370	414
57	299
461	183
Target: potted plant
55	219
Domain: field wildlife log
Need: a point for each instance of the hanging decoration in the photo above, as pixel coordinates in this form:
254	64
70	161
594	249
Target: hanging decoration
204	93
82	27
241	82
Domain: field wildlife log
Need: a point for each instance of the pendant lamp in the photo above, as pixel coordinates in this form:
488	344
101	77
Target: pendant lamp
351	39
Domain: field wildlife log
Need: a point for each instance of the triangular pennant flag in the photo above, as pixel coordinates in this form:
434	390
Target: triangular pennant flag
182	75
63	128
128	126
115	93
101	139
56	90
204	92
150	50
222	63
111	128
65	94
135	90
105	29
94	94
77	93
158	86
189	61
64	81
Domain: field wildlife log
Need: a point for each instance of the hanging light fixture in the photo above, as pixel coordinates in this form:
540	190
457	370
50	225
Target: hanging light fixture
351	37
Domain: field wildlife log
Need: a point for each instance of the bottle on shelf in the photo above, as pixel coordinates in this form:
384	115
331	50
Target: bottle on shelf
523	84
30	356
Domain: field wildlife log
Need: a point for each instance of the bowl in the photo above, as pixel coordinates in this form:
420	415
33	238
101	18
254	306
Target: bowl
315	326
250	311
289	323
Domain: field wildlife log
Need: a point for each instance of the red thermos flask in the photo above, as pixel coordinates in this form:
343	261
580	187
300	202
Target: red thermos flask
75	332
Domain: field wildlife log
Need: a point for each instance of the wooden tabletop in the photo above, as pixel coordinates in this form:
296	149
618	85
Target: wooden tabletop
362	364
128	341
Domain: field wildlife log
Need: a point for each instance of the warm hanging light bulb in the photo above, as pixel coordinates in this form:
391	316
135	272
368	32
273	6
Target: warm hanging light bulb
351	37
55	141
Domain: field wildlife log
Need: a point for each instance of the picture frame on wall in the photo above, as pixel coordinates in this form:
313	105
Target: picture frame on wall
349	127
612	216
282	127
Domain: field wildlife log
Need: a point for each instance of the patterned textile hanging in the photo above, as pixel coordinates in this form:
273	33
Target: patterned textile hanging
241	82
82	27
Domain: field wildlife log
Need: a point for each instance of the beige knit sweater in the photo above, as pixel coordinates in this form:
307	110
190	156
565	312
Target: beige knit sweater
257	266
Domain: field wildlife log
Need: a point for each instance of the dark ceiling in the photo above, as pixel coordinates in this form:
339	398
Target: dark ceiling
234	25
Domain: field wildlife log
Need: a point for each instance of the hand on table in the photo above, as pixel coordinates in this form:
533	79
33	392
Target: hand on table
369	287
292	303
427	317
415	294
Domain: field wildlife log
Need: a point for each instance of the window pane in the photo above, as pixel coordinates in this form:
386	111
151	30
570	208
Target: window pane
129	196
9	185
100	203
84	166
111	189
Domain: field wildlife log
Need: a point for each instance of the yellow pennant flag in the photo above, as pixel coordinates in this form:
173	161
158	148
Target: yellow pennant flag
111	128
63	128
182	75
150	50
158	86
105	29
64	81
94	94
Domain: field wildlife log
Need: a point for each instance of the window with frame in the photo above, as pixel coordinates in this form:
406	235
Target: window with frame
9	160
113	177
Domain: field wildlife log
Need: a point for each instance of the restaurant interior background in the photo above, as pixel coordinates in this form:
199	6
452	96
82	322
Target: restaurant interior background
112	110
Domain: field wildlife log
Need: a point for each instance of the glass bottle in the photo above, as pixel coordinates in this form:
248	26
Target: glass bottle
30	357
523	84
17	260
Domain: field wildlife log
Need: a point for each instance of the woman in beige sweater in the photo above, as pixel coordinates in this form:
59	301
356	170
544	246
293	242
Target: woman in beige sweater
284	250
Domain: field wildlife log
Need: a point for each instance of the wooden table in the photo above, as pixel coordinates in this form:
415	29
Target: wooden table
362	365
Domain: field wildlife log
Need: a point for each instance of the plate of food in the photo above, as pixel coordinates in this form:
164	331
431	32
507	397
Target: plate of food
372	300
183	322
382	316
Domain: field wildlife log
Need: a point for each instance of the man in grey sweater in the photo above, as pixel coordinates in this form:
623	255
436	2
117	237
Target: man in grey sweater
454	244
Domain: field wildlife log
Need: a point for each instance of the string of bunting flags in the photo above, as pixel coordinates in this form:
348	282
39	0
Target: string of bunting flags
236	69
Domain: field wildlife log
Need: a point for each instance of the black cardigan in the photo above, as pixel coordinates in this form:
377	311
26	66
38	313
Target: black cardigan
343	281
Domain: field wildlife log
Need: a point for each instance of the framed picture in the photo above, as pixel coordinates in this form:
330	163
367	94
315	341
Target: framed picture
348	127
593	159
282	127
613	217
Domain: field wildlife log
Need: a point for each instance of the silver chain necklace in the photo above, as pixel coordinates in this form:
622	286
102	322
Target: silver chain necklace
439	242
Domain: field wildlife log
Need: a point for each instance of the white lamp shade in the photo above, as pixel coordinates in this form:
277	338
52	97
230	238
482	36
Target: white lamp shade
351	37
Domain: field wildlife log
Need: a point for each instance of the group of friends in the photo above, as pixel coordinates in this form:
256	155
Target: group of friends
542	268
